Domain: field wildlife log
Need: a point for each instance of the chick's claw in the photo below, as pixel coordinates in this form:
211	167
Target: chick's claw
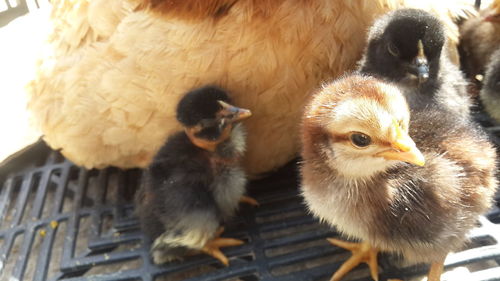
213	246
361	252
249	200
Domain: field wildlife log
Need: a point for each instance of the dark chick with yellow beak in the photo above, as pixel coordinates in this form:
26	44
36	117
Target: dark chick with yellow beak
195	182
409	185
407	47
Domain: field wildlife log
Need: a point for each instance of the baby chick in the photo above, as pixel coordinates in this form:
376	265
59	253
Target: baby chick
195	182
406	47
480	37
364	172
490	93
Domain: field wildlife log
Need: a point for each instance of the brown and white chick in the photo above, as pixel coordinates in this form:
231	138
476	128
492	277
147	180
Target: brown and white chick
412	188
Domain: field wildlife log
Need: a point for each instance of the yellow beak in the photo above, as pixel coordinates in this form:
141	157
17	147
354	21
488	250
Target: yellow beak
403	149
237	113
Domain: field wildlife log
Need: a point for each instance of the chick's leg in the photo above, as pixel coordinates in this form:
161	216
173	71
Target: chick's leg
212	247
361	252
435	271
249	200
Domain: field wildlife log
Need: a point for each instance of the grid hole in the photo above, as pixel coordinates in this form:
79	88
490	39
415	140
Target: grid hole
57	250
279	204
112	188
278	217
247	258
50	197
107	224
32	192
249	278
243	278
314	262
33	254
89	199
82	236
114	267
57	157
482	265
185	274
479	242
69	202
13	257
12	201
295	247
290	230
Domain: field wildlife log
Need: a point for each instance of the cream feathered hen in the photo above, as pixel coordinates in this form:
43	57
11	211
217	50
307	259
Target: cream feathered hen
106	92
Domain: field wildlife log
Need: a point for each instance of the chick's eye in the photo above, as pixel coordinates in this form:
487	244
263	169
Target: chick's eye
393	50
360	140
402	124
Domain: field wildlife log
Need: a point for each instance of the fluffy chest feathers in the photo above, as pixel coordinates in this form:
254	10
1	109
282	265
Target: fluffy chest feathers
229	178
340	204
362	208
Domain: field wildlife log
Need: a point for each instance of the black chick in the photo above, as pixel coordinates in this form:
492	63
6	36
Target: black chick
406	47
490	93
195	182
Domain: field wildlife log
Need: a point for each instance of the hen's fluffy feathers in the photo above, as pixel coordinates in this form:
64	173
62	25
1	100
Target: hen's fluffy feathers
106	94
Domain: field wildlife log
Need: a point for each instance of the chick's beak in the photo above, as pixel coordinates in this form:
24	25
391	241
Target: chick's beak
233	113
420	66
403	149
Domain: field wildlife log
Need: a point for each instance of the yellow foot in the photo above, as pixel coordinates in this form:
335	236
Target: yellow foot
361	252
435	271
212	247
249	200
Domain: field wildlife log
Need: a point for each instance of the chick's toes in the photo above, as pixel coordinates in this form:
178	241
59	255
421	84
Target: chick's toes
249	200
435	271
212	246
361	252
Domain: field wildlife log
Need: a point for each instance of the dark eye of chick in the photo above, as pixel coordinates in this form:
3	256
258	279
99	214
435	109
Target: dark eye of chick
392	49
360	139
401	124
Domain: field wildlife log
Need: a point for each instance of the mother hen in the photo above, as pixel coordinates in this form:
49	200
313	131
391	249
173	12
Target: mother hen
105	93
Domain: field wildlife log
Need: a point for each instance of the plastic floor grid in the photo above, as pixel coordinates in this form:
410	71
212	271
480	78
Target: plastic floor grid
62	222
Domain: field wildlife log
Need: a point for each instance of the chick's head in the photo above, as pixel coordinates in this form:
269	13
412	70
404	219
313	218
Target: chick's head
208	117
405	46
358	126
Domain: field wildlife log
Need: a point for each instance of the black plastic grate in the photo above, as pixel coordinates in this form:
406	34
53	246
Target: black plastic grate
62	222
